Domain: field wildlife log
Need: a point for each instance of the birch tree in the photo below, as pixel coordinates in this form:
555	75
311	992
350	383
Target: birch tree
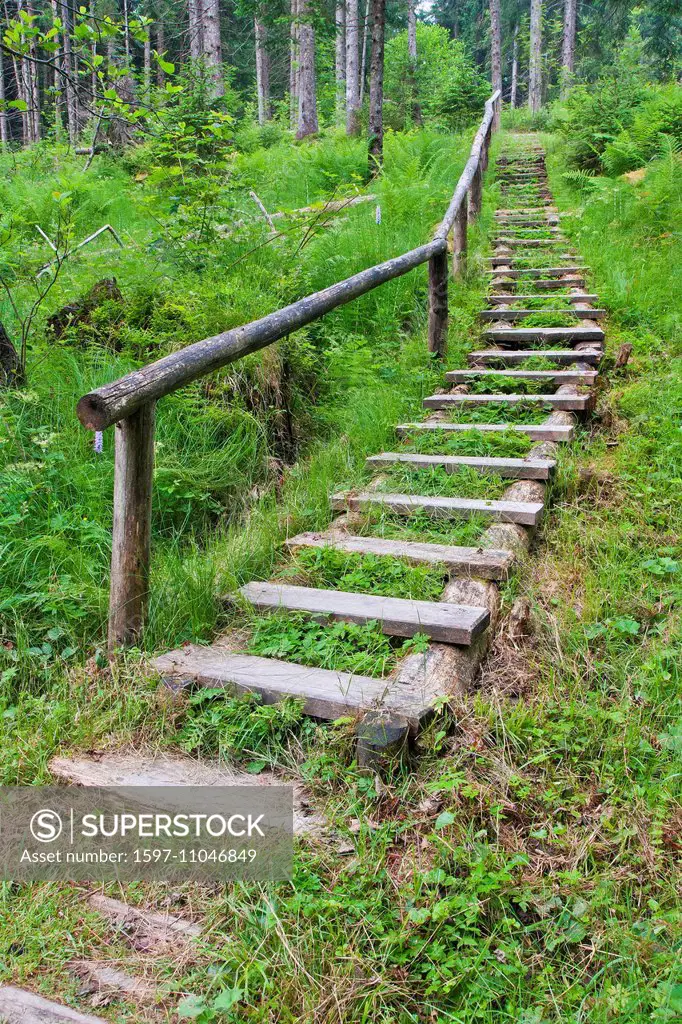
262	71
307	98
352	69
340	55
535	66
376	87
293	64
514	68
495	45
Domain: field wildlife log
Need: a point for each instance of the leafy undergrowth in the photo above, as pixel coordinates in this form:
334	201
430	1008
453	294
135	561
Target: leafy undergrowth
501	412
342	646
420	526
331	569
542	319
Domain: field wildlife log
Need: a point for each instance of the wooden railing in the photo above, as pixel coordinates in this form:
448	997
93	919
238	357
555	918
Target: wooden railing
130	402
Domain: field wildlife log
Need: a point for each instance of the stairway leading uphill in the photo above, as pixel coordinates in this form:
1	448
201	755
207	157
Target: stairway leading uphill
543	344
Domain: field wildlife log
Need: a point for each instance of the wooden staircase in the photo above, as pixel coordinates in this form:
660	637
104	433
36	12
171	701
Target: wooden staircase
519	316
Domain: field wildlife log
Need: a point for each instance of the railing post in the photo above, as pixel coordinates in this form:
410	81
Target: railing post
497	110
475	193
131	542
438	302
459	242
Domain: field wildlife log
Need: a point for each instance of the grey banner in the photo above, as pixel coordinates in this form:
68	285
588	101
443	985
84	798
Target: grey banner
146	833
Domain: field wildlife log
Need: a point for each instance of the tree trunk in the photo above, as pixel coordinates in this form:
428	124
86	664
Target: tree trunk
363	65
10	369
68	66
515	69
535	68
262	72
34	86
126	30
293	65
160	49
352	69
495	45
196	36
568	45
147	65
213	51
412	55
307	99
376	87
340	61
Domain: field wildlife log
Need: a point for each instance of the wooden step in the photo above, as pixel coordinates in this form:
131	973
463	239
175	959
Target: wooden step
520	314
17	1006
495	356
149	930
518	469
519	335
488	563
107	983
536	431
587	377
567	402
544	284
504	297
526	513
571	274
508	261
508	242
396	616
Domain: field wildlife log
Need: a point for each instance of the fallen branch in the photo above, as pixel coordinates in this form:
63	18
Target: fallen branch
90	238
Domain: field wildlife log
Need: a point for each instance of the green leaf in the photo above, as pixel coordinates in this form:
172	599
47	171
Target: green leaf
444	819
18	104
227	999
191	1006
165	65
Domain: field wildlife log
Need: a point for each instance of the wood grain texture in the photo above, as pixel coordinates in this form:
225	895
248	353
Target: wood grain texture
511	297
131	539
528	469
488	563
494	356
457	401
568	273
17	1006
539	431
441	508
554	376
456	624
520	314
519	335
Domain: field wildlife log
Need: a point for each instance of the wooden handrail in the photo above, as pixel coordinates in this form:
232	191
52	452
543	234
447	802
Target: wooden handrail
130	402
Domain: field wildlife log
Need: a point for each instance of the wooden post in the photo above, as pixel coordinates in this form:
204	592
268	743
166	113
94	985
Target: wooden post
130	553
459	242
438	303
475	194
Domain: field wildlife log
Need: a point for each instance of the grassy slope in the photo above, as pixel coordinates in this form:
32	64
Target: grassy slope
524	871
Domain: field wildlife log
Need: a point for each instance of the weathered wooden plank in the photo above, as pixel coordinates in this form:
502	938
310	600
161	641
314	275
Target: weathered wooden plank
493	356
543	284
510	242
437	332
519	335
131	540
450	623
568	273
492	564
508	261
586	377
524	469
139	768
569	402
521	314
118	400
103	981
17	1006
538	432
504	297
525	513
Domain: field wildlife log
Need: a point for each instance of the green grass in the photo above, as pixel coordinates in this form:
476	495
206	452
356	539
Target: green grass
435	481
330	569
550	320
520	412
502	443
420	526
498	384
